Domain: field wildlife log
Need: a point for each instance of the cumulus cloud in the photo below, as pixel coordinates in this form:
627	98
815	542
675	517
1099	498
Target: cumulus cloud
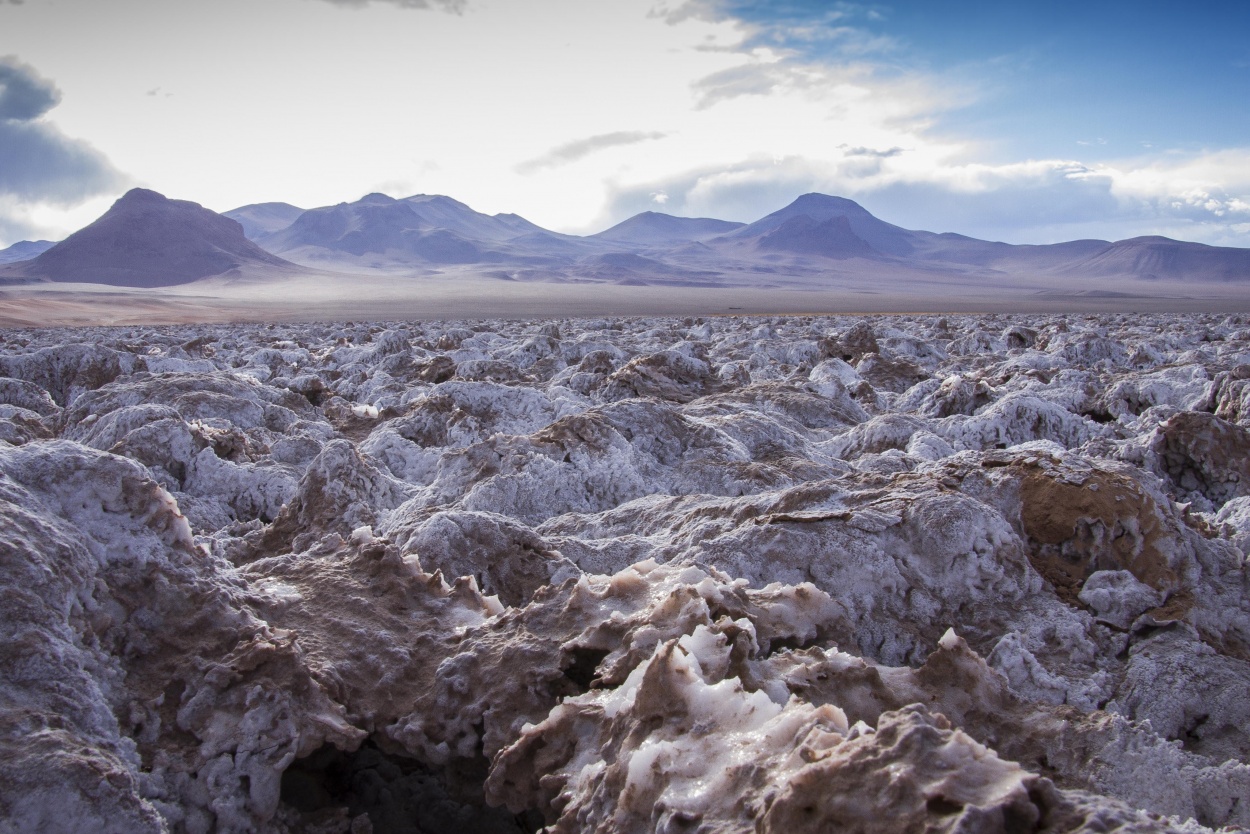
749	80
796	27
454	6
870	152
674	12
581	148
23	94
860	124
743	191
896	152
39	165
1036	201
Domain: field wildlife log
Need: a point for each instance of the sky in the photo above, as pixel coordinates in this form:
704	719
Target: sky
1022	122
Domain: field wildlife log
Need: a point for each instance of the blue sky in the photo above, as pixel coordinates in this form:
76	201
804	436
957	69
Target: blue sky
1029	123
1106	76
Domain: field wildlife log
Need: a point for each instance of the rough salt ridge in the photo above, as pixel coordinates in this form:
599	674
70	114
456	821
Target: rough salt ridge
740	574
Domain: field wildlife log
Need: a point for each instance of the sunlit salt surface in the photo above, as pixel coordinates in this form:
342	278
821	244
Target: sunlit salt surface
878	573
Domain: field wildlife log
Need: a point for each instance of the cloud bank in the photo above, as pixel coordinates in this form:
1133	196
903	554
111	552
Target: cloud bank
1200	197
38	163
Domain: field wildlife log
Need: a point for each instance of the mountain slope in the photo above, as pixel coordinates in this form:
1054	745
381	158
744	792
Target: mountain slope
260	219
652	228
148	240
418	230
804	235
883	237
1161	258
24	250
437	211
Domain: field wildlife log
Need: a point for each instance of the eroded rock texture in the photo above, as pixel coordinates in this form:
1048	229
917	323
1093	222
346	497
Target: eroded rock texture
898	574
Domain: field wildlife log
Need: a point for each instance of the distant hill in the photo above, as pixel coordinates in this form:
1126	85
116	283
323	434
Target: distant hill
815	242
260	219
651	228
1154	258
147	240
818	227
424	229
882	237
832	237
24	250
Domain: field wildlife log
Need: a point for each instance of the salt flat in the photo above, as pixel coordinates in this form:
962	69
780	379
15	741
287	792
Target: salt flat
623	574
467	294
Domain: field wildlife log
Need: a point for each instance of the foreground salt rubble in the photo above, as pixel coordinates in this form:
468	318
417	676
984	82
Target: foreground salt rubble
753	574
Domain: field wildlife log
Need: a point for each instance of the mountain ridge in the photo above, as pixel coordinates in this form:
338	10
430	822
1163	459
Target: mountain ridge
25	250
814	240
263	218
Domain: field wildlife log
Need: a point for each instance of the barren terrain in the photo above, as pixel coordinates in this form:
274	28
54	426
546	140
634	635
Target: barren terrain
768	573
461	296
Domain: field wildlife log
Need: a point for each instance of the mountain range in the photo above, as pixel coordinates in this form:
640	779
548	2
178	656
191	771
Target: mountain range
147	240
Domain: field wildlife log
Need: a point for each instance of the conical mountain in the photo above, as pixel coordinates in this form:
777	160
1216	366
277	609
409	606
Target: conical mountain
148	240
801	234
880	236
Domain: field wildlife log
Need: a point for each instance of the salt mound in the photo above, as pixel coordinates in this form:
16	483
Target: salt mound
758	574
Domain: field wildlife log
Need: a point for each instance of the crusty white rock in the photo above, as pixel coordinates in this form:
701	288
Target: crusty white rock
751	574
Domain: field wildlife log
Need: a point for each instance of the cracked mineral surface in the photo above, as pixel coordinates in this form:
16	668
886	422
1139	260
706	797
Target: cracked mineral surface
784	574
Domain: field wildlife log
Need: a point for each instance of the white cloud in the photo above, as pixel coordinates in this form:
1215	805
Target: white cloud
571	152
40	165
1035	201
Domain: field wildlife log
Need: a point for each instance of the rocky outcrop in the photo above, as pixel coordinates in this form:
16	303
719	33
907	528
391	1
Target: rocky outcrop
960	574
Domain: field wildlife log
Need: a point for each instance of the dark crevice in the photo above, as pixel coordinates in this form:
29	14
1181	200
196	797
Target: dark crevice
582	664
789	644
398	794
1191	735
942	806
318	396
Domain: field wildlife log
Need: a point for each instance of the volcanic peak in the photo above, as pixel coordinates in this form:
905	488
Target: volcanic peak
148	240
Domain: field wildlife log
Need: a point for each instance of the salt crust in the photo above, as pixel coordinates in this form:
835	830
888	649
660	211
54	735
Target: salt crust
906	573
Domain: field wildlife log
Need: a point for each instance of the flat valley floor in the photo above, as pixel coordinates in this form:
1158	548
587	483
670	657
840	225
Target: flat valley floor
320	297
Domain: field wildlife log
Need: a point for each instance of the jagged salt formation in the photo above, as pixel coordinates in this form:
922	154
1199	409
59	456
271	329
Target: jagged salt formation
752	574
